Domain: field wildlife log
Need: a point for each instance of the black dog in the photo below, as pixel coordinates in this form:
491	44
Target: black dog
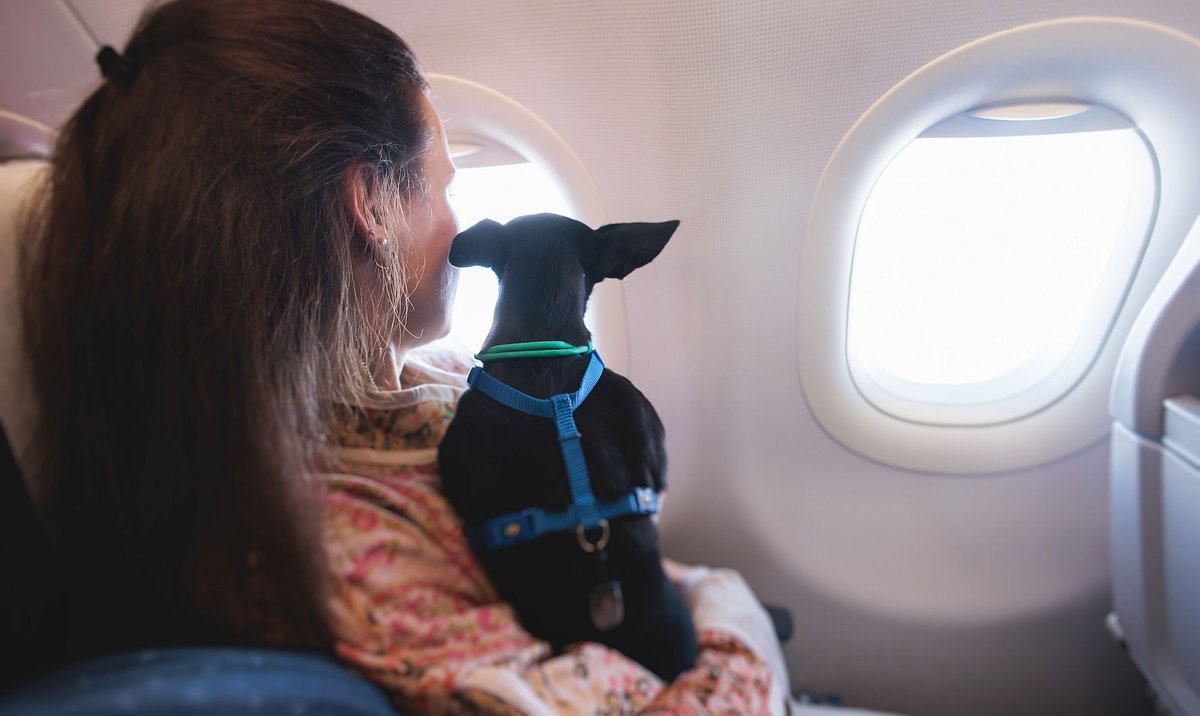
595	582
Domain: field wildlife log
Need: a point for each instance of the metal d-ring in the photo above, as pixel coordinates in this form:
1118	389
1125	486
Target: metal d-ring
590	547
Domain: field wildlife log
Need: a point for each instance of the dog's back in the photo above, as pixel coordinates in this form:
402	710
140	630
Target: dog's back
496	460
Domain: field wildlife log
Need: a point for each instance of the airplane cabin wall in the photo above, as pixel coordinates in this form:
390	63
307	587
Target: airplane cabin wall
917	593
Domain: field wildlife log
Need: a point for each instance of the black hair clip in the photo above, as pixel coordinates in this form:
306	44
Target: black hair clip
119	70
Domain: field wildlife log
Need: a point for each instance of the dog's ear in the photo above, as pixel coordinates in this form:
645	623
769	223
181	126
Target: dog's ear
616	250
484	244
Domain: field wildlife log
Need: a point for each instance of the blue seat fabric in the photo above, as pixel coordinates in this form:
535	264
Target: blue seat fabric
201	681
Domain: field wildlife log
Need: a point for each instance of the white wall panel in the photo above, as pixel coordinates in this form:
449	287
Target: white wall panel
47	57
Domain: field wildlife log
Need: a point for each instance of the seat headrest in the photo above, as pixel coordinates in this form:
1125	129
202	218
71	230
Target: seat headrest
24	138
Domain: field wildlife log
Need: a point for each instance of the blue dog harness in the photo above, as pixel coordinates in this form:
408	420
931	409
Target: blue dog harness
584	514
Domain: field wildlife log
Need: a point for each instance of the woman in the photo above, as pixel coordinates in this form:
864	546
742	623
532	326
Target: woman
245	236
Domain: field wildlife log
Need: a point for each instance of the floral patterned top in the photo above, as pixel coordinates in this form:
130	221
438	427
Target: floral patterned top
416	612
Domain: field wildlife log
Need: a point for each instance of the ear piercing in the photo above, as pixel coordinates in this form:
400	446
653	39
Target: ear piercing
383	240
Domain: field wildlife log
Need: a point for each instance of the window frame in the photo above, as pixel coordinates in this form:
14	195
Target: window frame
1048	376
1147	72
473	113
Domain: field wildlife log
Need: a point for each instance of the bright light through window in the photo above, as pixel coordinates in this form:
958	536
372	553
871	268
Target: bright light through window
500	193
978	260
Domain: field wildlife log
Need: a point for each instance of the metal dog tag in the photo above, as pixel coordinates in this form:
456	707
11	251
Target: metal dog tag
607	606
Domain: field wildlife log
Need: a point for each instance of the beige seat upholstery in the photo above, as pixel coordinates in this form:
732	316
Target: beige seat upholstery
24	147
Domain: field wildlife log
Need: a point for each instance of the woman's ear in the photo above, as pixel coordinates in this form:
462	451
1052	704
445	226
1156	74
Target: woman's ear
484	244
359	201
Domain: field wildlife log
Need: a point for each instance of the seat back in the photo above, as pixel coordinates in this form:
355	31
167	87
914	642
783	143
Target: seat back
24	147
30	597
203	682
1155	485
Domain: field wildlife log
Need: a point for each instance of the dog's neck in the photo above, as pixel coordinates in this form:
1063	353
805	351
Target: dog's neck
542	307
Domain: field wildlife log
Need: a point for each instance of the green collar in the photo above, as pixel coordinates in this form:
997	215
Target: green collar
533	349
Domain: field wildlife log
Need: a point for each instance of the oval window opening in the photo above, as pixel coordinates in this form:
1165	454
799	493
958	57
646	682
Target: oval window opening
500	192
991	258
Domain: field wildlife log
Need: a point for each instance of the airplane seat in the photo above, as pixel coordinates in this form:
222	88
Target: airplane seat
1155	486
24	145
200	682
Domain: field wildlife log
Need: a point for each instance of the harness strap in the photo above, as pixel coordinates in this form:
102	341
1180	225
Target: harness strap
543	408
529	524
572	451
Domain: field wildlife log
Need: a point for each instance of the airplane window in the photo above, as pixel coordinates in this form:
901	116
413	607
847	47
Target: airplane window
510	163
983	237
992	254
498	192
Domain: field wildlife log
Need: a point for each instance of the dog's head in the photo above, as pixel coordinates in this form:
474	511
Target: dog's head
551	243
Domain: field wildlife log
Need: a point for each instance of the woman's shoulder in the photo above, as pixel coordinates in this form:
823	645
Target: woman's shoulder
437	364
433	373
444	357
412	418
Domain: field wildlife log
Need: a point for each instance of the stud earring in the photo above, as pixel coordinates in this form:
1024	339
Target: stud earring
383	240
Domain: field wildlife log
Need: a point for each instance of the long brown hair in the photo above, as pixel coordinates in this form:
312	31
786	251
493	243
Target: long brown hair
190	309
